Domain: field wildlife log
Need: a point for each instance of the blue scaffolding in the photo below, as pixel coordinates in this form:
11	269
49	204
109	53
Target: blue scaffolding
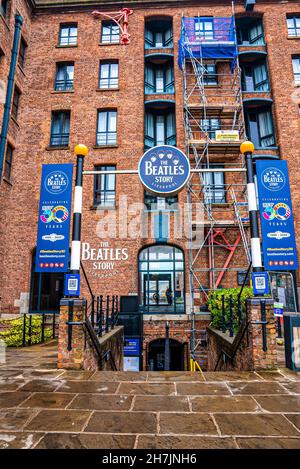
207	38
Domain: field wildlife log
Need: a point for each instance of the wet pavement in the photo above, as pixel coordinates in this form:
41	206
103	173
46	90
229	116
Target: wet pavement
42	407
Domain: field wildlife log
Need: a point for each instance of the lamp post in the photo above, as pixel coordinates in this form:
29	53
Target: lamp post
247	149
80	151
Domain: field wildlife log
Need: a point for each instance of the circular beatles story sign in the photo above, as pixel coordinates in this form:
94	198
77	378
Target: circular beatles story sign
164	170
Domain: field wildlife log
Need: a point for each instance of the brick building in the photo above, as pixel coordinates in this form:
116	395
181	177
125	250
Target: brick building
74	81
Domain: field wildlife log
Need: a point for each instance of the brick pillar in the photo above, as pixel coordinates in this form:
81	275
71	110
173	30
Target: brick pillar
261	359
71	359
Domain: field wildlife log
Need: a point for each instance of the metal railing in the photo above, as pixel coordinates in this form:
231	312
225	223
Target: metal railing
38	333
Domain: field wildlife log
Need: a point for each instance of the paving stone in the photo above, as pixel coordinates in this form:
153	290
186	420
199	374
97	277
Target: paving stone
86	441
225	404
166	389
14	419
64	420
12	399
293	386
281	404
88	386
102	402
295	419
18	440
122	422
10	384
76	375
7	373
174	376
273	376
49	400
187	423
47	374
186	389
254	425
268	443
293	375
257	388
119	376
39	385
161	403
231	376
183	442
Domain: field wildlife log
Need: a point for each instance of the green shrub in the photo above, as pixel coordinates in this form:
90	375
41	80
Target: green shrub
215	305
11	331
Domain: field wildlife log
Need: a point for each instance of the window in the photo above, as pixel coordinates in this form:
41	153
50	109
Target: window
158	34
293	24
105	187
64	76
68	34
8	162
15	103
22	52
296	68
214	187
3	7
107	128
158	79
260	128
60	129
109	74
209	73
204	28
110	33
161	279
250	33
210	126
159	129
156	203
255	77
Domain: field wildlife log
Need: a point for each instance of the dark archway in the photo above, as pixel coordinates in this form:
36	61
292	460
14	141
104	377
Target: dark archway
156	355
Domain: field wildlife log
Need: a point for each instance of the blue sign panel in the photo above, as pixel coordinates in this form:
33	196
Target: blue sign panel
164	170
276	215
260	283
52	252
131	346
72	285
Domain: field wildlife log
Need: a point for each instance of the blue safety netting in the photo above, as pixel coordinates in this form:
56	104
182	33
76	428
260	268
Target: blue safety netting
207	37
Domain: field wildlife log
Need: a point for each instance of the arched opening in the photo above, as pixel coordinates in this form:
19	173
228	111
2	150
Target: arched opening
161	279
156	355
46	290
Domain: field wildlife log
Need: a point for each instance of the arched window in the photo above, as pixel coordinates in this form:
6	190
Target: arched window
161	279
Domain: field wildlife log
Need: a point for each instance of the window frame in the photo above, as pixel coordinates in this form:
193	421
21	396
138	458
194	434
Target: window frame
258	129
98	179
244	30
167	42
22	52
4	9
295	28
64	83
110	24
67	26
63	114
8	162
296	74
211	197
15	105
168	87
109	78
152	205
211	128
201	32
107	131
168	139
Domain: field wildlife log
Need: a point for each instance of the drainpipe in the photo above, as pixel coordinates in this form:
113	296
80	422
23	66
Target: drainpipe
10	84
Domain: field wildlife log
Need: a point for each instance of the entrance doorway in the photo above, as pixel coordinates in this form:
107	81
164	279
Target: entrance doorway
155	288
46	290
161	279
156	355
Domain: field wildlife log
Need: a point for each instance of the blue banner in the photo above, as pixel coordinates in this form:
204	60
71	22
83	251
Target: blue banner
52	251
276	215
